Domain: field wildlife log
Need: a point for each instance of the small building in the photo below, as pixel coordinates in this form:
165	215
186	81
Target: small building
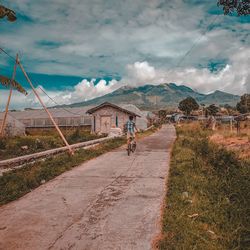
12	127
108	115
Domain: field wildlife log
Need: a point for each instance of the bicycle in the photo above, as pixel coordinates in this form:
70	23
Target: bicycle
131	145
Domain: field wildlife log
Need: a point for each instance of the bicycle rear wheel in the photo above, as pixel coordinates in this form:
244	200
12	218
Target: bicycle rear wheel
133	147
129	149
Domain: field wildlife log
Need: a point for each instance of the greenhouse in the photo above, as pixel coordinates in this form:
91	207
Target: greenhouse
70	117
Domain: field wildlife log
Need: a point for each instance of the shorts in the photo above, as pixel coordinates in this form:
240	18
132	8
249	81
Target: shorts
130	135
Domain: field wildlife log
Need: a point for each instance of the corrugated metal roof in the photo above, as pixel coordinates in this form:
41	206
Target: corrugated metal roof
55	112
119	107
132	108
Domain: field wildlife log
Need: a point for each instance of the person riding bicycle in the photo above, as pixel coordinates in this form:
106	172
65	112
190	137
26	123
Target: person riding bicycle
131	129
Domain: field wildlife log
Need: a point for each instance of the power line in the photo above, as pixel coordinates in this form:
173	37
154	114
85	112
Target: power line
5	52
57	102
195	43
41	88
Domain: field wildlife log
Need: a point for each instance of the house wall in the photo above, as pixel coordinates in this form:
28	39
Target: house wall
52	131
113	113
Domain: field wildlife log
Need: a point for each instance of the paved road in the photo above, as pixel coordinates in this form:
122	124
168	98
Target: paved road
111	202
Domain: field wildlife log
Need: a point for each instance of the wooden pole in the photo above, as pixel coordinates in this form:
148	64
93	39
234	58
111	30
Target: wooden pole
9	98
231	125
45	108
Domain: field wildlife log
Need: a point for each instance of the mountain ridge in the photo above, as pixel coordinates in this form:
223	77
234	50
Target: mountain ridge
164	95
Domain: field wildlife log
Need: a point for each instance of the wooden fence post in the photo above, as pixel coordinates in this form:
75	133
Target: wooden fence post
231	125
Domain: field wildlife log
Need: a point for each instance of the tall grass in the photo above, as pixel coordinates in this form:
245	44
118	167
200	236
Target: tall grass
208	198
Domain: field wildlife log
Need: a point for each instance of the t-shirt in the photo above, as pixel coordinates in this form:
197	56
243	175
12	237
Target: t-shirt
130	127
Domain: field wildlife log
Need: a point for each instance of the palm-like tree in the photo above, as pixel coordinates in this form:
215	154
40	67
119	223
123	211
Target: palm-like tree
7	82
5	12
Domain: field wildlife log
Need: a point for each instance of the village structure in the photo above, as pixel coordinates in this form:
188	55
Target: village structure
99	119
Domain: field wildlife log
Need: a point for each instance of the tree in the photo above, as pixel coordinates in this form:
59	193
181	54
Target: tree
212	109
244	105
5	12
242	7
188	105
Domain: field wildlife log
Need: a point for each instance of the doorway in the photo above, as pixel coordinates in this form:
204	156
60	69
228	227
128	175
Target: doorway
105	124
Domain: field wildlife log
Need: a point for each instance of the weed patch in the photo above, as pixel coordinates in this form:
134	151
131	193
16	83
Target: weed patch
208	197
22	145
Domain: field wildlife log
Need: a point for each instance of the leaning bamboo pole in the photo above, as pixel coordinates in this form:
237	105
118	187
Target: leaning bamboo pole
45	108
9	98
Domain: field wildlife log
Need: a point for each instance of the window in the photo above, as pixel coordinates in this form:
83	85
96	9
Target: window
116	121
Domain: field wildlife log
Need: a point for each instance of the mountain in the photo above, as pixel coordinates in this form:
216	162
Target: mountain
159	96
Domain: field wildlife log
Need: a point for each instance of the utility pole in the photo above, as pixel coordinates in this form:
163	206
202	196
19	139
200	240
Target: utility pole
9	98
45	108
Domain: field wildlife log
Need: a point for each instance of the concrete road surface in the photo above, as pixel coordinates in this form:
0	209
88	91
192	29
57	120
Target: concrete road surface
111	202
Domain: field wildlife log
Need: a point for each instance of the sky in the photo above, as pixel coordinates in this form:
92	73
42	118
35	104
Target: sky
76	50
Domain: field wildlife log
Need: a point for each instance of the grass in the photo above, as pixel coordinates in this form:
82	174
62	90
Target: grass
239	143
22	145
17	183
208	197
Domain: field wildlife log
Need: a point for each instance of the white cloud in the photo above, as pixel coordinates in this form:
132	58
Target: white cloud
233	78
141	72
83	91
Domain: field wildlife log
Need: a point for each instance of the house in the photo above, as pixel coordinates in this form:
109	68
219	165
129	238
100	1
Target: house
108	115
12	127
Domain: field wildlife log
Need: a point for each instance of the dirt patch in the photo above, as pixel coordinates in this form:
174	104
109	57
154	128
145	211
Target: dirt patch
240	145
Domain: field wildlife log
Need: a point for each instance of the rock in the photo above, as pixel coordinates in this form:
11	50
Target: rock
184	195
24	147
43	181
193	215
212	234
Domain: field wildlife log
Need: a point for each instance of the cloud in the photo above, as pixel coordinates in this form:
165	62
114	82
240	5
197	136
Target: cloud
83	91
233	78
86	38
86	90
141	41
141	72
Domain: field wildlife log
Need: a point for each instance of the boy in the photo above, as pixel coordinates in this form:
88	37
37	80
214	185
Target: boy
131	129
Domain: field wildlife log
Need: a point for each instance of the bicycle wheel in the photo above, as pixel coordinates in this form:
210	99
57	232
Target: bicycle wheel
129	149
133	147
